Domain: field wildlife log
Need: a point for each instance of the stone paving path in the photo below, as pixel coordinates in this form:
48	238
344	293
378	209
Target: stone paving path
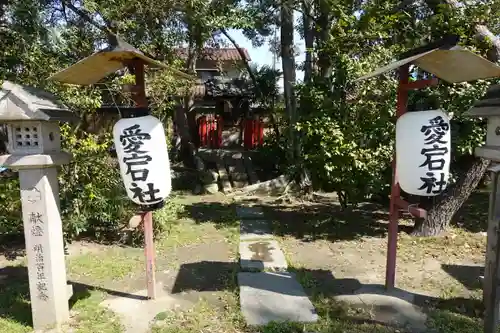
267	292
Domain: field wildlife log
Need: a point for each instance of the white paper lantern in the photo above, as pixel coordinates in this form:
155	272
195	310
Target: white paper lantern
142	152
423	152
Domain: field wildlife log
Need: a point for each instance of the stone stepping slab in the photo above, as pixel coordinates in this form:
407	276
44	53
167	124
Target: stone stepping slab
255	229
266	297
261	255
394	307
249	212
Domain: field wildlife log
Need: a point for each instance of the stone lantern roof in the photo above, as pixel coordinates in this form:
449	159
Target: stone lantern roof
19	102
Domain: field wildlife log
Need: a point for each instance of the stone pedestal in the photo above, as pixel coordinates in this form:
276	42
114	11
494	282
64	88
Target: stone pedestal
39	186
32	117
44	247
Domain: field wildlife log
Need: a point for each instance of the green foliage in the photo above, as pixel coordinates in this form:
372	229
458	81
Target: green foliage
93	200
10	203
39	39
347	146
346	127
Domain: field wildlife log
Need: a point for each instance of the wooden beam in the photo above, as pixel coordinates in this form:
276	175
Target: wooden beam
415	211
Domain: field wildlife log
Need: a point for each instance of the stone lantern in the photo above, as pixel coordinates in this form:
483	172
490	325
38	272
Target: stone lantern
488	107
32	118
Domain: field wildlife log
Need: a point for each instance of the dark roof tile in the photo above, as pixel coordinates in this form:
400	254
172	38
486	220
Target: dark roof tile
221	54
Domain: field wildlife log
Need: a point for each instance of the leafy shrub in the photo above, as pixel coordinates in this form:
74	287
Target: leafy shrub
339	163
93	200
163	221
11	224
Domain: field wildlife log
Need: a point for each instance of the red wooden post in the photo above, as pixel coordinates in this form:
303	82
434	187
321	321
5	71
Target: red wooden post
147	217
202	131
220	126
261	132
208	133
396	201
392	245
255	132
213	132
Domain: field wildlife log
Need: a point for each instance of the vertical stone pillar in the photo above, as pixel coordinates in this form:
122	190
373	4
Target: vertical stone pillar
35	154
32	117
44	246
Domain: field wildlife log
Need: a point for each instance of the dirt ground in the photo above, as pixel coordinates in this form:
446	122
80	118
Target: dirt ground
195	261
331	250
349	247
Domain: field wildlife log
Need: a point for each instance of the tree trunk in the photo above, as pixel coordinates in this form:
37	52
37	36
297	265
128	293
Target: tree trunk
309	39
322	28
184	115
3	139
289	76
288	63
447	205
441	213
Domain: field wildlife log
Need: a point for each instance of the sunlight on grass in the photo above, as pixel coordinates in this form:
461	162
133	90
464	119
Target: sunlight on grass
449	322
203	317
113	264
90	317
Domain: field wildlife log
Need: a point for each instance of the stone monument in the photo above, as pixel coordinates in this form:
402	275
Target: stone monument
488	108
32	117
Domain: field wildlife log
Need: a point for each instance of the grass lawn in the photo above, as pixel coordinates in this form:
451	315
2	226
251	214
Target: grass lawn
95	271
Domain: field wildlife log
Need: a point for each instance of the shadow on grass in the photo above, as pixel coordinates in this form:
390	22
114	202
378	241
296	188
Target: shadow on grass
473	215
308	222
320	285
322	288
468	276
321	282
311	221
221	214
15	297
206	276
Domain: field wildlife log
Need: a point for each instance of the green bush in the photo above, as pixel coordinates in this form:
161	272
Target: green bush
93	200
163	221
11	224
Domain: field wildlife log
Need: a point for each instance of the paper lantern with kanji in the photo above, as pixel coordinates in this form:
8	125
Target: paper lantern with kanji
142	152
423	152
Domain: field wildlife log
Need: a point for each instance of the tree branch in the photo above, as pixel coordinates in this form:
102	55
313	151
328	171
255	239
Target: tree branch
84	15
244	58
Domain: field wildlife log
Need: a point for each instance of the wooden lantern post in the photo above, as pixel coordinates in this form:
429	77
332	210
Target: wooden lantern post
447	61
396	202
96	67
139	97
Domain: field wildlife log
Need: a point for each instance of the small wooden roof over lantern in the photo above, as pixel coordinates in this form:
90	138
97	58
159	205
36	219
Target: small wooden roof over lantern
107	61
446	60
19	102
